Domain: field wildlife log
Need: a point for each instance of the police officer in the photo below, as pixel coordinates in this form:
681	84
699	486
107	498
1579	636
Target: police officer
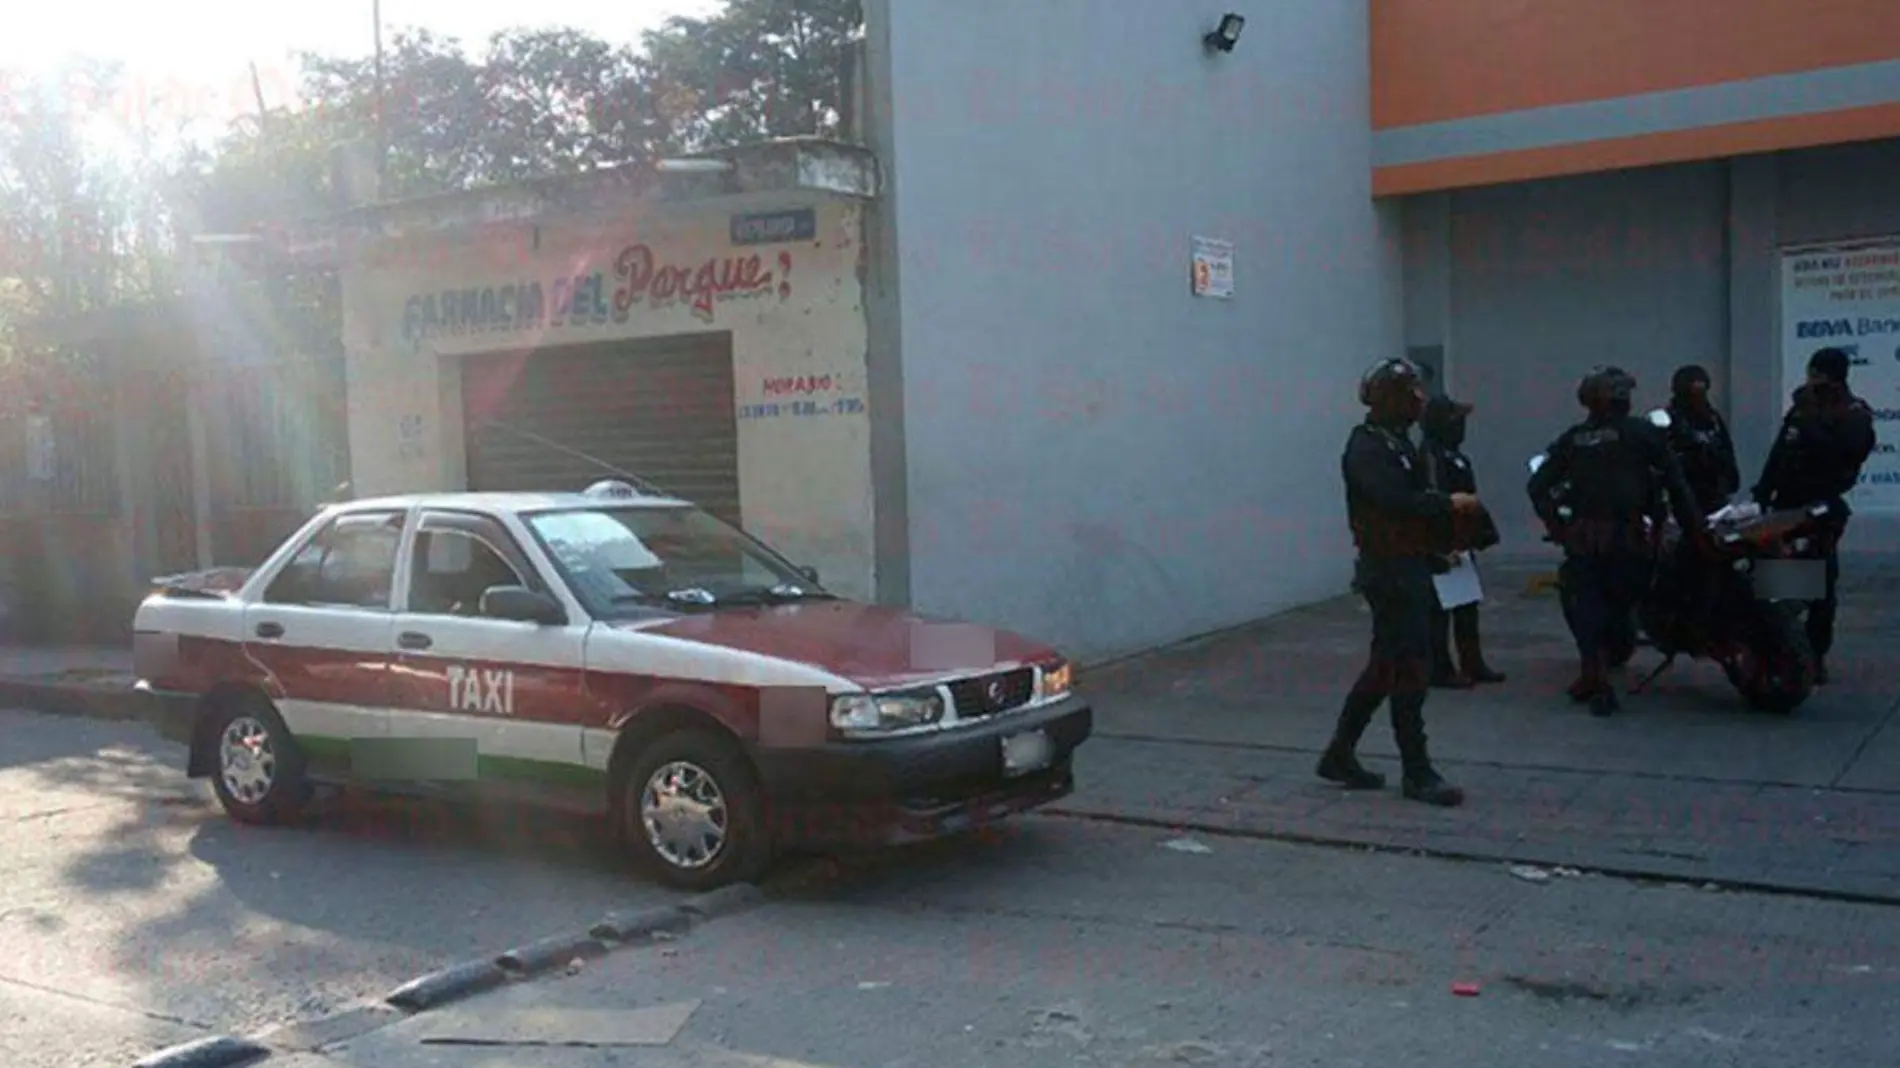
1616	467
1700	437
1825	438
1442	439
1397	522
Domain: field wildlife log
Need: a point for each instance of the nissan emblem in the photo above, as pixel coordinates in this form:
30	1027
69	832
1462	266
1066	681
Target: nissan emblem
995	691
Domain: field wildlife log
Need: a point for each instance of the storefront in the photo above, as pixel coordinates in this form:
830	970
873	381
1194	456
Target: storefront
711	342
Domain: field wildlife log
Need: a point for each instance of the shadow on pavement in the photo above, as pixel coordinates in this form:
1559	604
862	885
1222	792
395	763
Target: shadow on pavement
127	884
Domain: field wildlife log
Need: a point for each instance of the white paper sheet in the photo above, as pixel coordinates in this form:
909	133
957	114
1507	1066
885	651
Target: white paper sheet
1459	586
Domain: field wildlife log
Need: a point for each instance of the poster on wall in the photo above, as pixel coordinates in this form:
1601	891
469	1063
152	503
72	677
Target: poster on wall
1849	298
1213	268
39	448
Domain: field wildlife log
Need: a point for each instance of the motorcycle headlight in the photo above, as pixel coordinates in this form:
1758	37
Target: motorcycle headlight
862	713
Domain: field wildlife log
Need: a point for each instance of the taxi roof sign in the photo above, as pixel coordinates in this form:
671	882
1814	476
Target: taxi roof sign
612	489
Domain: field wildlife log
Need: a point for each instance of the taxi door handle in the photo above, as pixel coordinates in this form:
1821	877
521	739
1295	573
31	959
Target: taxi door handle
410	639
270	630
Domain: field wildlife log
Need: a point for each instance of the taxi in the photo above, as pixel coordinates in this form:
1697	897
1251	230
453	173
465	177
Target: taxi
617	653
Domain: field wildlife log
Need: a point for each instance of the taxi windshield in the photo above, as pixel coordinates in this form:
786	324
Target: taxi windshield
619	561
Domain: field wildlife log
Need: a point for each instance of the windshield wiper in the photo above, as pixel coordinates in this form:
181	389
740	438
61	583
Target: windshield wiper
784	593
691	595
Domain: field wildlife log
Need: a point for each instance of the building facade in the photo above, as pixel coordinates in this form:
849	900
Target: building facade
1067	339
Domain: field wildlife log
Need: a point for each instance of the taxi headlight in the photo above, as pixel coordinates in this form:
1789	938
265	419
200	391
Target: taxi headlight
865	712
1057	680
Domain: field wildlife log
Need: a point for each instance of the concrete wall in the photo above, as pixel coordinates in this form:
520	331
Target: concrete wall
1529	284
1095	455
1547	279
804	482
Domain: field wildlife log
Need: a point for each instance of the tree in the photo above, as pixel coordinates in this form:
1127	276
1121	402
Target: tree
757	69
537	103
79	231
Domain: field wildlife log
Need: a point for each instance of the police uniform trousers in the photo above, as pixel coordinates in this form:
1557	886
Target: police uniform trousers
1398	669
1602	586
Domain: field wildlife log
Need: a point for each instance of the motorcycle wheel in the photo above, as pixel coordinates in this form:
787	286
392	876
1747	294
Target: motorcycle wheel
1775	670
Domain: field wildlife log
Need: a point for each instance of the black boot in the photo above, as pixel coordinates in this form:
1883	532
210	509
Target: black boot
1445	674
1421	782
1340	764
1471	650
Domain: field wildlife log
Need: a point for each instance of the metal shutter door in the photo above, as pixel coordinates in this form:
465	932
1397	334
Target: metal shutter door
660	409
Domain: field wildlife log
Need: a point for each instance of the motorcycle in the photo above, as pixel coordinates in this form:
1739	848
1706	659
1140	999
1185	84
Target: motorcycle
1735	597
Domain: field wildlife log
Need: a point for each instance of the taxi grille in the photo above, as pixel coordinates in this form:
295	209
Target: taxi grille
986	695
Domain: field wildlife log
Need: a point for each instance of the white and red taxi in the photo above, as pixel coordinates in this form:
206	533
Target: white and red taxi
609	652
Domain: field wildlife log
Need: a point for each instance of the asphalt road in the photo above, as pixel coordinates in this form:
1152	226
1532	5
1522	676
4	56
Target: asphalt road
1068	943
133	914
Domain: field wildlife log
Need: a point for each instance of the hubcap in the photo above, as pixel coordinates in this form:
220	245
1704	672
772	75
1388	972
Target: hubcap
247	761
684	814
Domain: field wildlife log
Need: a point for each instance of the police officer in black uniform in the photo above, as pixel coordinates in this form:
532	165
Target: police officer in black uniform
1616	467
1442	439
1701	439
1825	438
1398	522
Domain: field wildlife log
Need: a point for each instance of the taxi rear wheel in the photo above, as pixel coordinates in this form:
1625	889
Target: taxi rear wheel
257	770
691	812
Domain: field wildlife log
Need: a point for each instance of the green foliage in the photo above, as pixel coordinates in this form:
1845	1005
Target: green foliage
758	69
77	233
530	104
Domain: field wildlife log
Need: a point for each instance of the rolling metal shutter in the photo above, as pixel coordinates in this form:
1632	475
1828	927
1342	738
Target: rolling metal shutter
662	410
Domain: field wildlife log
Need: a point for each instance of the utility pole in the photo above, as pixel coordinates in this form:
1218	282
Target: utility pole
382	126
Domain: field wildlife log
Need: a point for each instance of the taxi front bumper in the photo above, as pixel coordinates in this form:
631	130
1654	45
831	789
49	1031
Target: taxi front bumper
173	714
882	791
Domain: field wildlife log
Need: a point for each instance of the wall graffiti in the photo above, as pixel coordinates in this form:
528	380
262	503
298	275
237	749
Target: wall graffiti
639	277
801	397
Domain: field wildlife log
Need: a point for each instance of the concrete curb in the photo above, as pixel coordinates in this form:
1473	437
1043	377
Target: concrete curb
458	982
647	925
453	983
1661	871
218	1051
547	954
83	699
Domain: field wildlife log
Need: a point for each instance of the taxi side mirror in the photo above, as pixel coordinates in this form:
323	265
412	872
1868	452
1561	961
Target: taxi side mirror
520	604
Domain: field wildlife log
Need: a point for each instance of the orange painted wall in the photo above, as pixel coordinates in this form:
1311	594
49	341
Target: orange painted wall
1435	60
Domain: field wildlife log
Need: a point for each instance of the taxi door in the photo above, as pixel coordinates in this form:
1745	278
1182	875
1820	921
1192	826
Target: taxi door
320	634
499	704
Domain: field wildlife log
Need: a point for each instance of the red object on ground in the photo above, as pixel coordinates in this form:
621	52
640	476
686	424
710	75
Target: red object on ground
1465	990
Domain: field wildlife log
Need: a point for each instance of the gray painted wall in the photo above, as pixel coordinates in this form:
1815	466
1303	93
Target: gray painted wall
1549	278
1648	268
1094	455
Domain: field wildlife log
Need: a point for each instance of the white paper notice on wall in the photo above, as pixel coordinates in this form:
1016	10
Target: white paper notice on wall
39	448
410	443
1849	298
1213	268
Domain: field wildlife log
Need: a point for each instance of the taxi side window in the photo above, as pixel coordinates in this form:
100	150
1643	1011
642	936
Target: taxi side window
349	564
452	569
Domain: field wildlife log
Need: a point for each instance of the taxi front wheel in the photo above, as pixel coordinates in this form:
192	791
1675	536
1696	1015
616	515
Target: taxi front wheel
257	769
691	812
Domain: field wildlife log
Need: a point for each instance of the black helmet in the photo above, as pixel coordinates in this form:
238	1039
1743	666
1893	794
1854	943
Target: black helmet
1388	380
1606	389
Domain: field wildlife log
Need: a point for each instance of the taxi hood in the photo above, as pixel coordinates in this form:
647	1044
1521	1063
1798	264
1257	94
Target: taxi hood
875	646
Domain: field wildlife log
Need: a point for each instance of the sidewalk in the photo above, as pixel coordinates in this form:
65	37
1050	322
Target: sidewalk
1686	783
1222	734
69	680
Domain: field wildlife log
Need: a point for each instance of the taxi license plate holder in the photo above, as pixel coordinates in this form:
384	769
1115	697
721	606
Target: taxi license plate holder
1026	752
